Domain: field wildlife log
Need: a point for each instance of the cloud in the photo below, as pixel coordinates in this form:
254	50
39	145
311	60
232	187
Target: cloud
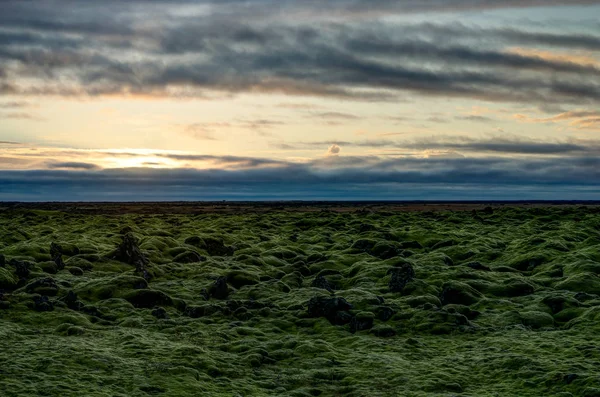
498	145
331	177
474	117
72	165
117	53
579	119
334	150
20	116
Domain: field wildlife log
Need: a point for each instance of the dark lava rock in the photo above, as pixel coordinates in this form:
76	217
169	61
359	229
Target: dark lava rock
21	268
321	282
333	309
148	298
478	266
72	302
42	286
42	304
56	252
2	260
129	252
401	276
220	289
385	313
160	313
76	271
362	321
189	257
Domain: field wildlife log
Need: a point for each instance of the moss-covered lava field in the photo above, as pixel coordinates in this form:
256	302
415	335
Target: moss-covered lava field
269	300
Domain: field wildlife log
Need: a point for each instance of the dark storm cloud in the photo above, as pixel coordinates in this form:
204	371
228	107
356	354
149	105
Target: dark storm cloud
355	177
95	49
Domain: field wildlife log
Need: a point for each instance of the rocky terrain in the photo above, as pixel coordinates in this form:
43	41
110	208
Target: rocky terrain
500	300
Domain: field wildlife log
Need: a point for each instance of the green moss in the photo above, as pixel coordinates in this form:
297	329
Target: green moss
453	330
7	280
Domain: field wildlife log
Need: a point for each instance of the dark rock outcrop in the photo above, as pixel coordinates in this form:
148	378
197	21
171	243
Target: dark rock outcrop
56	253
321	282
334	309
129	252
42	304
401	276
362	321
219	289
43	286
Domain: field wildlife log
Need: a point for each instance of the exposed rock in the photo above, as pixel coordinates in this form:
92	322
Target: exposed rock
334	309
56	252
21	268
42	304
219	289
401	276
321	282
72	302
362	321
129	252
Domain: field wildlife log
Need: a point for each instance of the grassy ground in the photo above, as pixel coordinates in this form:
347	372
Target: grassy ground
502	302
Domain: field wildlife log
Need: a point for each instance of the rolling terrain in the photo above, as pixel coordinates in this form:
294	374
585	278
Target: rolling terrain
299	300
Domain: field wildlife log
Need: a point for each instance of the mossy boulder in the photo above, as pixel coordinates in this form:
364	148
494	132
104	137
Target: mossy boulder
110	287
76	271
239	279
189	257
77	261
43	286
48	267
582	282
459	293
536	320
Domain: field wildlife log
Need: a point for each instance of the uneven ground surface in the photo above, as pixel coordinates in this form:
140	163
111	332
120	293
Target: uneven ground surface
299	300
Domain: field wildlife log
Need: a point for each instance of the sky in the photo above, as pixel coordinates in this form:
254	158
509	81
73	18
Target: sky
150	100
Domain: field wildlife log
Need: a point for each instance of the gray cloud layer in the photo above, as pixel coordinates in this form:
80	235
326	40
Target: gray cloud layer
354	177
88	52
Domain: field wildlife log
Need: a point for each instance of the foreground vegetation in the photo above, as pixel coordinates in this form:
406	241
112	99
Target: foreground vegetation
494	302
